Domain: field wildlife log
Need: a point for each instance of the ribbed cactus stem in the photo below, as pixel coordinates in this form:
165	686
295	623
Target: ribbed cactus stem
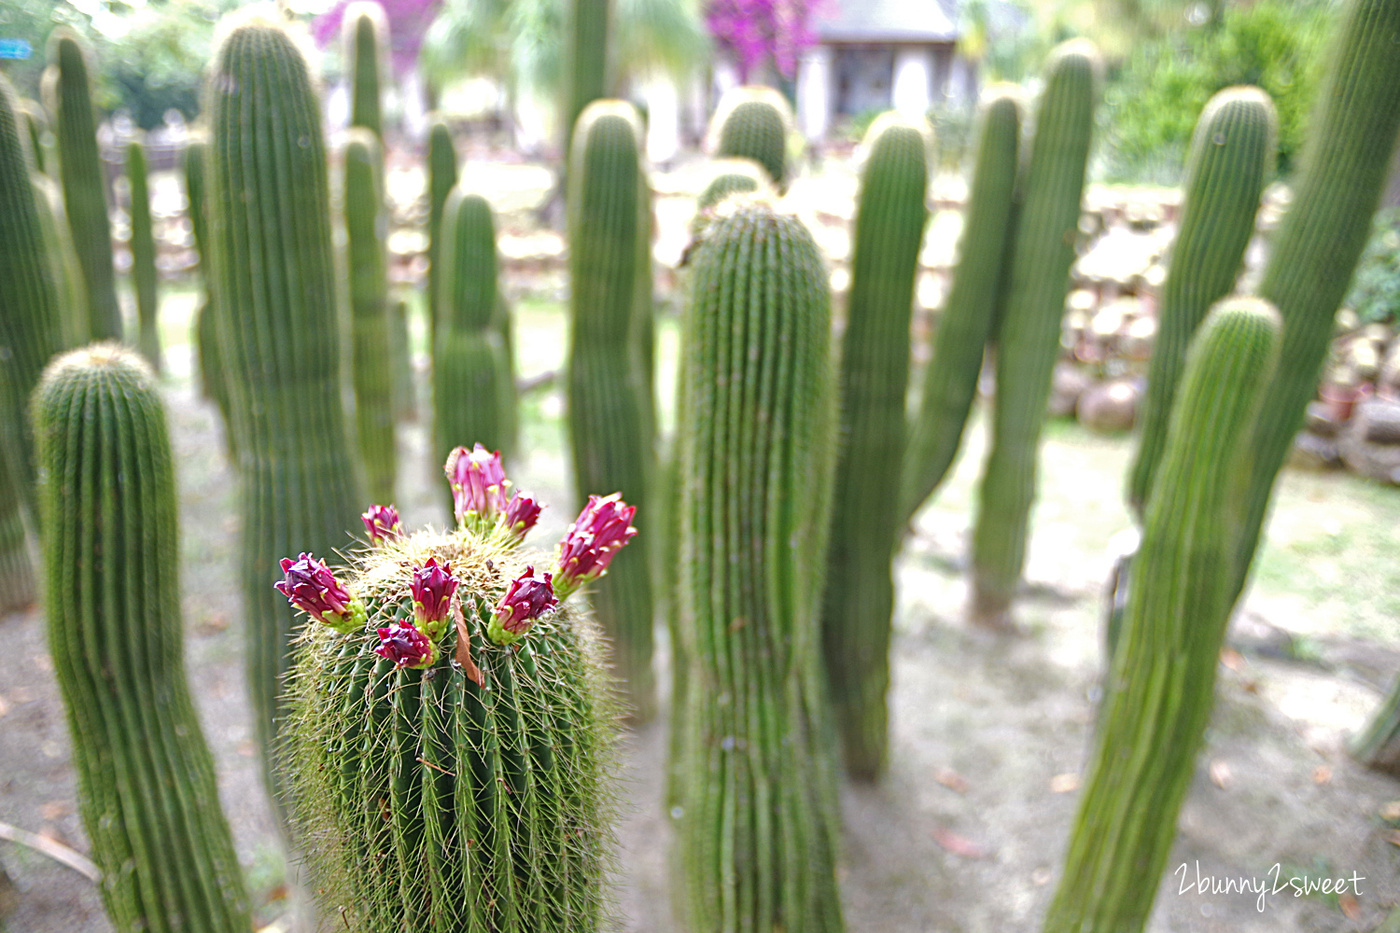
36	125
68	96
143	254
1162	683
586	60
146	784
858	610
401	351
608	408
473	393
278	330
1347	156
16	570
31	329
373	360
1232	155
366	34
727	177
442	178
754	122
754	787
72	292
969	314
1028	335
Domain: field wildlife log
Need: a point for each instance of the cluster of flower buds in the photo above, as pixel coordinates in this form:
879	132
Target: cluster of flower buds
528	597
382	523
600	531
310	586
479	498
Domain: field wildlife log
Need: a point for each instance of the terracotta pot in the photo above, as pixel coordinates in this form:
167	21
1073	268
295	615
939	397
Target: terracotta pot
1340	399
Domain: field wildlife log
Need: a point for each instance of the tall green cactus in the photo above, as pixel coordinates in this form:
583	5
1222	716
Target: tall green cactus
442	178
68	96
373	362
1346	159
1162	683
143	254
1232	155
279	332
1028	334
754	787
454	776
969	314
586	62
366	33
401	351
857	613
754	122
473	393
31	329
16	571
72	296
111	553
213	381
608	410
36	125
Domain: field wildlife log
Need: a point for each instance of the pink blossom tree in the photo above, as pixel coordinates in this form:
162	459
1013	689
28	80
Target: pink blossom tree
757	32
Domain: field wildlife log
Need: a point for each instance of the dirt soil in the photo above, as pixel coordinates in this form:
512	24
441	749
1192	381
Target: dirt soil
989	733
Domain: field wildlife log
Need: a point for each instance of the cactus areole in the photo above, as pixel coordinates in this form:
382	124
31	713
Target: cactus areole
450	729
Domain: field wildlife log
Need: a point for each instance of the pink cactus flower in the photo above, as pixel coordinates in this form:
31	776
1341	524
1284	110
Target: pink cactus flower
406	646
521	514
601	530
382	523
310	586
433	585
528	597
478	485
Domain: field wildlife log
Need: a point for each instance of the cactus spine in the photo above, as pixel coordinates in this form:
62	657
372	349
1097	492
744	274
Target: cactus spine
1232	155
753	123
278	330
473	394
442	178
1028	335
30	322
111	553
754	789
1161	686
1343	169
143	254
857	614
373	357
608	410
969	315
69	99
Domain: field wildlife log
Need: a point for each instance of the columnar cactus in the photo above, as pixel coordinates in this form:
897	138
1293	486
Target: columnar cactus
36	125
373	362
1342	172
451	731
969	314
586	60
473	394
753	791
442	178
16	571
608	411
1028	333
146	783
1232	155
754	122
212	378
278	328
68	96
31	328
727	176
401	351
857	614
143	254
366	33
1162	682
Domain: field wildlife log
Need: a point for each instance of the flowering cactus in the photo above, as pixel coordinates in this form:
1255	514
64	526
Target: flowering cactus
450	750
310	586
602	528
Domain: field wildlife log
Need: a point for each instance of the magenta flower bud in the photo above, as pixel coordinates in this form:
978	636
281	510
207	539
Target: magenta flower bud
521	514
433	585
310	586
602	528
478	485
528	597
382	523
406	646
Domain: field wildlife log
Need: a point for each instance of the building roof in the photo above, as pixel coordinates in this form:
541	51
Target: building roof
888	21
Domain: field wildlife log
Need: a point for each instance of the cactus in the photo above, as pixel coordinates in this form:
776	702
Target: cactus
279	334
442	178
143	254
16	571
365	35
1162	681
72	300
754	789
1342	172
68	96
373	358
36	125
727	177
401	351
856	616
457	776
1378	745
111	557
586	61
212	379
608	410
1028	334
969	314
31	328
754	122
473	395
1232	155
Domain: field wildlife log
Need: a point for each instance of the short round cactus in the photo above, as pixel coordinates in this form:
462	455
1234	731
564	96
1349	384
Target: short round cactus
450	732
